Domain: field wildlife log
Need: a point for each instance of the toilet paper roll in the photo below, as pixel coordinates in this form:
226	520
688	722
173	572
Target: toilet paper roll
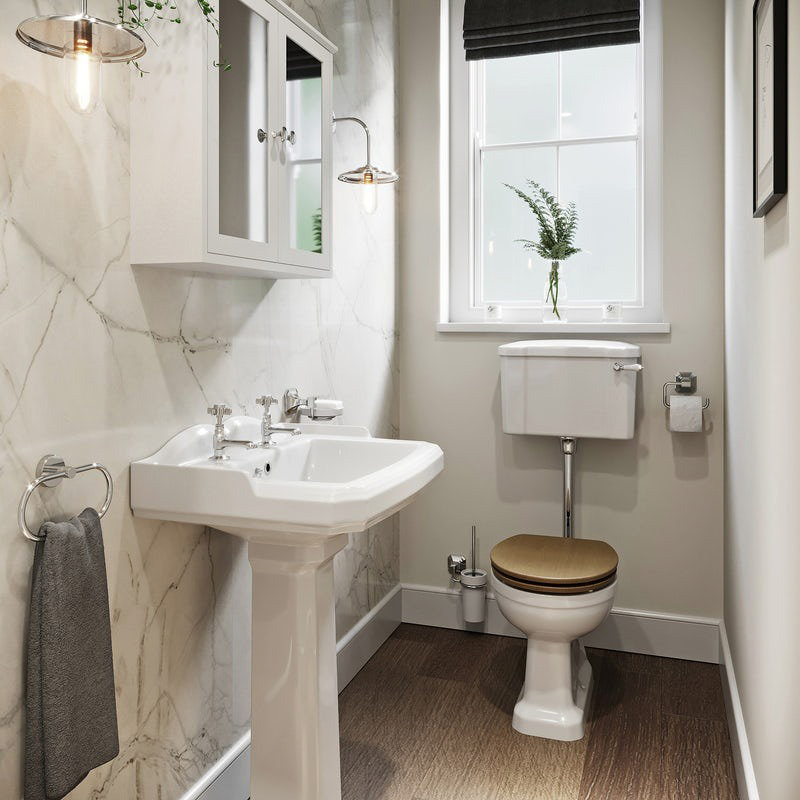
686	414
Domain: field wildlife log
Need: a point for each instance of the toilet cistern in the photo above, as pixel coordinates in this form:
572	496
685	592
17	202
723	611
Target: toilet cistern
570	389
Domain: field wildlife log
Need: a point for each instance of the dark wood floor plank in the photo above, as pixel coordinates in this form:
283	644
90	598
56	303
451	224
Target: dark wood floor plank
464	658
692	689
405	742
697	759
623	757
634	662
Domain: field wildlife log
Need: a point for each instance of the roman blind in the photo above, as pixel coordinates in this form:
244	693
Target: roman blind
504	28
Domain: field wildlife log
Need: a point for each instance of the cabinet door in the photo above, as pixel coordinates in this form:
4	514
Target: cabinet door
305	174
244	107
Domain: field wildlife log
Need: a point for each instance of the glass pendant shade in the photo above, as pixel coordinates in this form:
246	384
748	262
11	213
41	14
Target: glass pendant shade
82	82
84	42
367	176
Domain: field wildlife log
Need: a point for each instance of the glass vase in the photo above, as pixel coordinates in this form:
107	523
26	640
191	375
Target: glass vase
554	295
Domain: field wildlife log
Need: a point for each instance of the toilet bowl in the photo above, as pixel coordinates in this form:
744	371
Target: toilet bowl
554	590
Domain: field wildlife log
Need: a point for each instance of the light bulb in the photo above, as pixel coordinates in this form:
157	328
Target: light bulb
82	71
369	194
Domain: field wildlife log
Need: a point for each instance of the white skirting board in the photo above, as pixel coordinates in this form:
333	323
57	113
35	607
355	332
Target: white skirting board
648	632
745	775
362	641
229	778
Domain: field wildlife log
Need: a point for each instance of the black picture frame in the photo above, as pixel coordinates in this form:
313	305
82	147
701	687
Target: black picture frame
770	104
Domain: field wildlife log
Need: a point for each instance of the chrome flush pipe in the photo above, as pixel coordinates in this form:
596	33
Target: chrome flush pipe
568	447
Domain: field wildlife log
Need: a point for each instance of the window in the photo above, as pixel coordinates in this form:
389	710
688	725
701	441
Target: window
585	125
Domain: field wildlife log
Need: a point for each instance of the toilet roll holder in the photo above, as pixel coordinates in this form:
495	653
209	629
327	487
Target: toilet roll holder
684	383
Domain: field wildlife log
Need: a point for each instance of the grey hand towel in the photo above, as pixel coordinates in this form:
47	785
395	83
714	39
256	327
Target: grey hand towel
71	723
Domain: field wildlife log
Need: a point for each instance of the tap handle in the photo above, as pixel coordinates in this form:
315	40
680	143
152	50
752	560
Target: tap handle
266	400
220	411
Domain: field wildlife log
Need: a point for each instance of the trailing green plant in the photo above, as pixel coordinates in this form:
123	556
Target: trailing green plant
141	14
557	226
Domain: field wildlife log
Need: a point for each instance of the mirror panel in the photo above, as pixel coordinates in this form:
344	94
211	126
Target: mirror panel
243	110
304	154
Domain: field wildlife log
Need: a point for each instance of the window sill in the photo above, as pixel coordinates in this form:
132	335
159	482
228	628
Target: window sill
553	327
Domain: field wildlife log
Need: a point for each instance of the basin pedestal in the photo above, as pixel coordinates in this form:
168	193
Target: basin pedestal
295	713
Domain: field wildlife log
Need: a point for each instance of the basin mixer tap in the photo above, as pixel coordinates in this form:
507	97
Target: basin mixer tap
267	428
220	411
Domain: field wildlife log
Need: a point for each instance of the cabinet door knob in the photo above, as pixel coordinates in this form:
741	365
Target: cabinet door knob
283	135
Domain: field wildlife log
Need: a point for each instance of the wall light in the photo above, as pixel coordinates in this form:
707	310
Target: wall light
84	43
367	176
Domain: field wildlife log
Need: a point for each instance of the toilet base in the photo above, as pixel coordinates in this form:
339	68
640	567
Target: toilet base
555	695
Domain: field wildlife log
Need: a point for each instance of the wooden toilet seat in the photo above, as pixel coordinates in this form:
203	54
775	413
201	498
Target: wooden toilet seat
554	565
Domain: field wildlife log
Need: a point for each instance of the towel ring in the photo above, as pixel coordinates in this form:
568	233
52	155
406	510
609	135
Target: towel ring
50	471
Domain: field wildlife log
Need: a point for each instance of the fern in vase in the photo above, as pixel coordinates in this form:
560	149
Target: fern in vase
557	226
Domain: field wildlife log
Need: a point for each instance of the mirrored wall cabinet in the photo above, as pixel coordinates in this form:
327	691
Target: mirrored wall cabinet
231	165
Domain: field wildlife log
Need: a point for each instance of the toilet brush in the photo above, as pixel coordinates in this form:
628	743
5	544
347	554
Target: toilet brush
473	585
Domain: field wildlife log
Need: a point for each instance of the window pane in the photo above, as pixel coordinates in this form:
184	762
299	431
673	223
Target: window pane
601	180
305	211
598	92
510	272
520	98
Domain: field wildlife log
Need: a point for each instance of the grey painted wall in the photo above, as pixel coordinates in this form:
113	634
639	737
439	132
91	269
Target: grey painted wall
658	498
762	503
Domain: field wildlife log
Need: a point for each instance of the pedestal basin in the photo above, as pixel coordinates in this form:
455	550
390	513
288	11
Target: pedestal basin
328	480
294	503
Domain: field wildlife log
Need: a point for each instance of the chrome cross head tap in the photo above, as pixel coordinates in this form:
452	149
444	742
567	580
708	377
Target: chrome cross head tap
219	411
267	428
265	400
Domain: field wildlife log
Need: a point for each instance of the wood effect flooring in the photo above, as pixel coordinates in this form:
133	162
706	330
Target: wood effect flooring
429	718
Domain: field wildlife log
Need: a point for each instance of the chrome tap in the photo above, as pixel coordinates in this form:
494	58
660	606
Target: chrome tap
220	411
267	428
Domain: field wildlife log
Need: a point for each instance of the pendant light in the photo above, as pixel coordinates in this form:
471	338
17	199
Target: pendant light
367	176
84	42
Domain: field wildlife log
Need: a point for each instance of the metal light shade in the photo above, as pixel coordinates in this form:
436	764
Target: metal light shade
368	174
60	36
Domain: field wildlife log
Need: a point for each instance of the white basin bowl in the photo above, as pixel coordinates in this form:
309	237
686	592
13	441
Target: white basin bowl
329	480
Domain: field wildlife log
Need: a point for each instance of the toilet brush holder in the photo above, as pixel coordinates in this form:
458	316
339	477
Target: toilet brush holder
473	594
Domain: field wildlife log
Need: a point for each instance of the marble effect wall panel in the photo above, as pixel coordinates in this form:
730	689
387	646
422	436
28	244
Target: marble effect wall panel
98	361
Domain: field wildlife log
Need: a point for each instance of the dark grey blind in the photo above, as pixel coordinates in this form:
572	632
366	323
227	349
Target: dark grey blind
503	28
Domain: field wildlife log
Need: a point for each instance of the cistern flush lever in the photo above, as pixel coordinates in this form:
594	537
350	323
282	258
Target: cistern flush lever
620	367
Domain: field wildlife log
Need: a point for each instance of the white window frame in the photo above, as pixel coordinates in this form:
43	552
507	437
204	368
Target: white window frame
460	308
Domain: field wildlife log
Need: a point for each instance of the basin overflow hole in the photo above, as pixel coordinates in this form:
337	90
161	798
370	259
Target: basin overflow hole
259	471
